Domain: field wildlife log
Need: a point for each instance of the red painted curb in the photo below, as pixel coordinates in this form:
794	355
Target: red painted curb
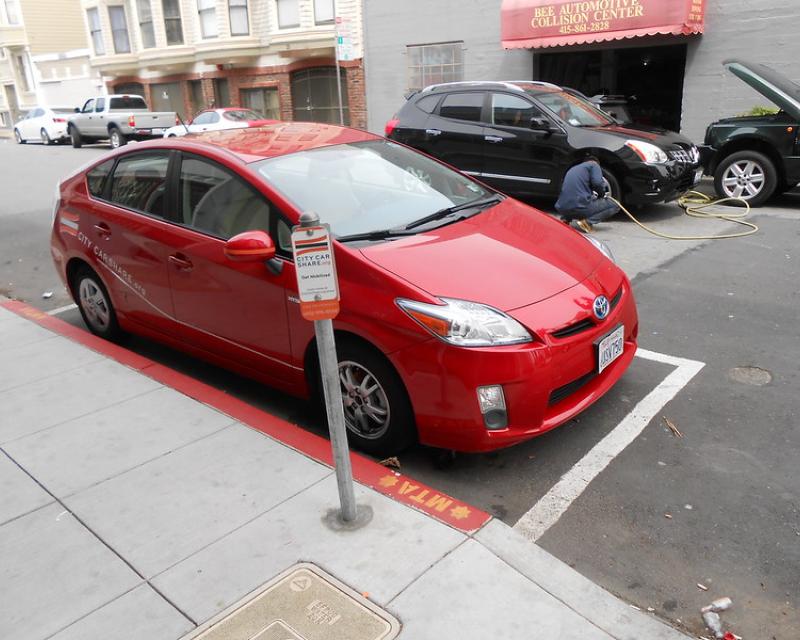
399	487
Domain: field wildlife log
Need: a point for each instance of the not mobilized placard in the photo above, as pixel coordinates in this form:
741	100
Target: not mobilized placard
317	284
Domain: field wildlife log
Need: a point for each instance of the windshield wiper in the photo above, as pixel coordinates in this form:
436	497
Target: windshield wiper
375	234
479	204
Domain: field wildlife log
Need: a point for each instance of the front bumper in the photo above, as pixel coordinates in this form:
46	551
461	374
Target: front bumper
660	183
545	383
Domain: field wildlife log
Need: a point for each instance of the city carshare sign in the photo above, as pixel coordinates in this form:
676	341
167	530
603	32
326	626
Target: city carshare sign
534	24
317	285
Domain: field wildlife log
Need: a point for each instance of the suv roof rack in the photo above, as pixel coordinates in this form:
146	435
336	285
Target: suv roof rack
540	83
506	84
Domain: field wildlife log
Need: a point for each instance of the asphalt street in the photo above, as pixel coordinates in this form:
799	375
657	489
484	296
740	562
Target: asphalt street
719	506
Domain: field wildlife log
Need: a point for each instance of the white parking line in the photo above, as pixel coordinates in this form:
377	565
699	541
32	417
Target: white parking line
66	307
545	513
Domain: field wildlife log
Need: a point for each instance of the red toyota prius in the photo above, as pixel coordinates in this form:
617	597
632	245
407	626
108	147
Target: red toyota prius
469	321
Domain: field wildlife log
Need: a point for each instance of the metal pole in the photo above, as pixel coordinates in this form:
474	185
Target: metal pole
329	370
336	50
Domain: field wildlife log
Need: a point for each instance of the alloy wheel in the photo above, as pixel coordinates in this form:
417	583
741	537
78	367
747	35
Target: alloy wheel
743	179
45	137
94	304
366	405
115	140
17	136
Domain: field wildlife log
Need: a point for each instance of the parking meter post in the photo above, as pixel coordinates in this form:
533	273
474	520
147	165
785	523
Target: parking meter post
326	348
332	391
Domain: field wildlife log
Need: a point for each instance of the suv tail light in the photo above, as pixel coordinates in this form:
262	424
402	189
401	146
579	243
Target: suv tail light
390	126
131	121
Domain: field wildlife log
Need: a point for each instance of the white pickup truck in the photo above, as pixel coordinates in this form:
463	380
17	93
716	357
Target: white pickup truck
117	118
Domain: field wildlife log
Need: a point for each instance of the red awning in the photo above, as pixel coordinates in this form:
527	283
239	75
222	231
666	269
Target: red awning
533	24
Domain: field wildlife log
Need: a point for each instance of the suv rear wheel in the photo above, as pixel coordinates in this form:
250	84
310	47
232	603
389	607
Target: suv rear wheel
749	175
75	137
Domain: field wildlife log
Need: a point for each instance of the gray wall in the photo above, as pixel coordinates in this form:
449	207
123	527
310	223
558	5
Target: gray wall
759	30
390	25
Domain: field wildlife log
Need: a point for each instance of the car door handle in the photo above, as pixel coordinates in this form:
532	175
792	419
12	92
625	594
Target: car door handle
181	262
433	132
103	230
493	139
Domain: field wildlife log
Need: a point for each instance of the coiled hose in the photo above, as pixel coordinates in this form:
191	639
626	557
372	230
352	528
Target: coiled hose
696	204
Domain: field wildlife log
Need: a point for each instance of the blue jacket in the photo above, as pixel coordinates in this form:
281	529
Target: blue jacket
579	183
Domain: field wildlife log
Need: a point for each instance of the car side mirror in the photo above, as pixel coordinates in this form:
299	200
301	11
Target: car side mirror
250	246
541	124
76	110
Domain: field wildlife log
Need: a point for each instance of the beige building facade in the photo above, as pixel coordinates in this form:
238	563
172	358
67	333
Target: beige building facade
277	57
44	57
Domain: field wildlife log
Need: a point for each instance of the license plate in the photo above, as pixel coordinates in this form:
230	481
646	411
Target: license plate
698	175
610	348
157	132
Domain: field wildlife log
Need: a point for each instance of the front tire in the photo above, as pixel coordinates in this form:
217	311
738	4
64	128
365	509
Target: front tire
749	175
117	138
95	304
18	137
75	137
377	411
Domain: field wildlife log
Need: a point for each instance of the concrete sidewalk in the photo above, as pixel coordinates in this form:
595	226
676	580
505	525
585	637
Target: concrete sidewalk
130	510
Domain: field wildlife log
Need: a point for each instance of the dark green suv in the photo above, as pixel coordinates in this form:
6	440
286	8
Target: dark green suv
754	157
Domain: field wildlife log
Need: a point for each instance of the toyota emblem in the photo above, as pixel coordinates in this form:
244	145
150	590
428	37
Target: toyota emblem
601	307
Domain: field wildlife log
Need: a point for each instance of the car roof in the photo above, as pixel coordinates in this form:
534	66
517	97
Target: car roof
510	85
272	140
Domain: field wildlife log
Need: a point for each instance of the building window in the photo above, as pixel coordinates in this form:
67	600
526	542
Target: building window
172	21
315	98
196	95
94	30
207	10
12	11
119	29
237	11
222	94
146	24
288	13
435	63
264	100
25	75
323	11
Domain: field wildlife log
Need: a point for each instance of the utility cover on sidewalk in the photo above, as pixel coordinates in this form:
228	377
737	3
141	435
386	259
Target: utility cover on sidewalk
302	603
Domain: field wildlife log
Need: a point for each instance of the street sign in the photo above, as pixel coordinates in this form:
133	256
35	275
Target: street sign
317	284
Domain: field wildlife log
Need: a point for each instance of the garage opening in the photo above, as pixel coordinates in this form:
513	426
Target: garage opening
650	79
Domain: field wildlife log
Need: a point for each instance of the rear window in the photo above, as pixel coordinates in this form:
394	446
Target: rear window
462	106
96	178
128	103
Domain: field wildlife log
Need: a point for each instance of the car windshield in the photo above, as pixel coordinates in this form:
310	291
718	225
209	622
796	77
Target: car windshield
368	186
241	115
572	109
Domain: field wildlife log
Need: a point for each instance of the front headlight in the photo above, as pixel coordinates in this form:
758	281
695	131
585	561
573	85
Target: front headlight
648	153
466	324
601	246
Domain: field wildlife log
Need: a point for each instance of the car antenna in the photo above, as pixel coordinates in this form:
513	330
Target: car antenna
178	115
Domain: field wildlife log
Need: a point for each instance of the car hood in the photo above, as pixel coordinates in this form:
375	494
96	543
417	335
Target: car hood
508	256
660	137
769	83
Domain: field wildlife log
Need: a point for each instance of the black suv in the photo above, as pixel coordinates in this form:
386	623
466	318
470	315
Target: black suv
521	137
752	157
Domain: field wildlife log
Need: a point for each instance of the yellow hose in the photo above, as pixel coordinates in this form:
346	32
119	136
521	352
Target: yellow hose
693	204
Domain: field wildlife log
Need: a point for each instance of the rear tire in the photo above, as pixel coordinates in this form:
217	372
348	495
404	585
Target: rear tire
75	137
378	414
749	175
18	137
116	138
45	138
95	304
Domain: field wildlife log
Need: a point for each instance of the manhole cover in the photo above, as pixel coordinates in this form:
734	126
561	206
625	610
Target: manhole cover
750	375
303	603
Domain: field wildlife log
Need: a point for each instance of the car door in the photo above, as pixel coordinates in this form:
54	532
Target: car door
124	233
454	132
203	121
235	310
99	123
84	119
518	158
25	125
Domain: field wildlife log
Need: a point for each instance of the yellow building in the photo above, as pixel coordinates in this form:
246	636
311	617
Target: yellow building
44	56
275	56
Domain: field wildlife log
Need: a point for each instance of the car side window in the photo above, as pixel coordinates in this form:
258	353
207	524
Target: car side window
100	104
428	103
513	111
87	108
140	182
462	106
216	202
202	118
37	113
213	118
96	178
